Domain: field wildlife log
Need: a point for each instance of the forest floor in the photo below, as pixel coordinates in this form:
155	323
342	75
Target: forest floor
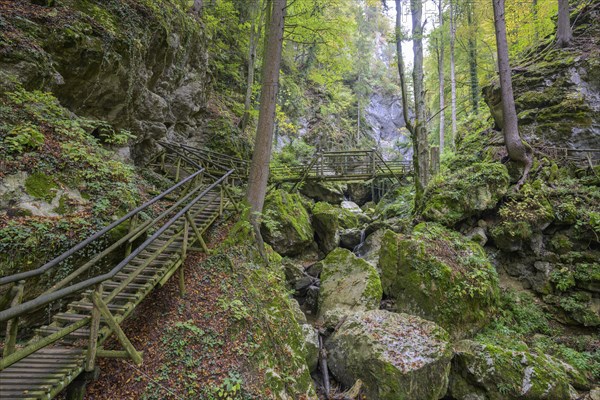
192	346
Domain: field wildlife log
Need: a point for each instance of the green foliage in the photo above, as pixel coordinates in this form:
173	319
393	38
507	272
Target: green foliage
22	137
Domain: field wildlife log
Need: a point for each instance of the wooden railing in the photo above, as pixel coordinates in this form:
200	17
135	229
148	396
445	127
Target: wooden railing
158	235
342	165
577	157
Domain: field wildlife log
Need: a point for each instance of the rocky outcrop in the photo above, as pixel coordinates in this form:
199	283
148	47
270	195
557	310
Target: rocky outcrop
489	372
324	191
286	224
440	275
348	283
465	193
138	66
329	221
396	356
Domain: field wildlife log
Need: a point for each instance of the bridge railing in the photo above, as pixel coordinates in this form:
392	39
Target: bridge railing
358	164
172	213
578	157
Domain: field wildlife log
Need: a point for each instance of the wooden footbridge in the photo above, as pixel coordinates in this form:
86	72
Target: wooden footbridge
117	267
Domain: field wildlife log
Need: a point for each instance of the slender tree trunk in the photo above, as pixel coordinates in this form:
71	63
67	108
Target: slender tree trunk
534	12
564	34
401	68
259	169
473	59
452	72
518	150
441	79
420	124
254	37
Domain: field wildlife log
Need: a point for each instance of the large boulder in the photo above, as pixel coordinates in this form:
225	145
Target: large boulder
440	275
489	372
286	224
465	193
396	356
348	283
330	192
328	220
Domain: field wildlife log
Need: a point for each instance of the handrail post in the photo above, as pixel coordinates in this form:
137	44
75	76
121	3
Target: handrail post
186	228
321	174
132	225
90	358
178	169
12	327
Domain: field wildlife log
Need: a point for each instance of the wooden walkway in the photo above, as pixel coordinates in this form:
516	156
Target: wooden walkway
153	250
357	165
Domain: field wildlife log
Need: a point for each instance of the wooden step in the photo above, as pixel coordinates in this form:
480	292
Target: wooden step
49	330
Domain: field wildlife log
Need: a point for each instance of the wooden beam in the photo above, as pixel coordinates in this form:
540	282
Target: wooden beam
12	327
112	323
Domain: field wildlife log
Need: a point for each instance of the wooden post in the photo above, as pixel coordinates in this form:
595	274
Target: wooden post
12	327
90	359
178	169
321	157
186	228
221	195
162	162
132	225
197	232
114	325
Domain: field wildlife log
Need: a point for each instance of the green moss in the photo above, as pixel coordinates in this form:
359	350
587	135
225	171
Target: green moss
440	275
576	308
451	198
40	186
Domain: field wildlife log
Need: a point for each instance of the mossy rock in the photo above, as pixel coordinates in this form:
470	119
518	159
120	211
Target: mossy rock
286	224
396	356
575	308
40	186
464	193
326	225
348	283
489	372
440	275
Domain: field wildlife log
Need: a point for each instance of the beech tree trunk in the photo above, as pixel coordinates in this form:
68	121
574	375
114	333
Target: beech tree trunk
417	128
518	150
254	37
259	168
441	79
420	140
564	35
452	73
473	59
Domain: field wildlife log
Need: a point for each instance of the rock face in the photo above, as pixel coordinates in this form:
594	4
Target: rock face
328	220
397	356
466	192
440	275
324	191
488	372
137	68
558	97
348	283
286	223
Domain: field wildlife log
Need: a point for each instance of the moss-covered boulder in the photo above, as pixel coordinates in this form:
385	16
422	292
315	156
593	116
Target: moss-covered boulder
397	356
328	221
466	192
331	192
286	224
327	226
489	372
348	283
440	275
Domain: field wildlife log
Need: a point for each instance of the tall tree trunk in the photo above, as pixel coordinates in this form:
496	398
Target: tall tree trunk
441	78
518	150
259	168
254	37
401	67
536	22
420	135
453	72
473	58
564	35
